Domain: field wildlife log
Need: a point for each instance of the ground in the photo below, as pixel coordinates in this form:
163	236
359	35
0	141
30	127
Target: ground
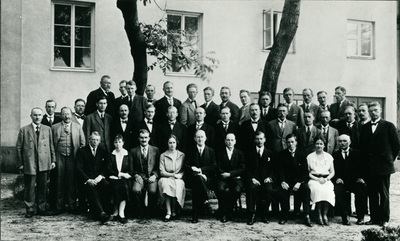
14	226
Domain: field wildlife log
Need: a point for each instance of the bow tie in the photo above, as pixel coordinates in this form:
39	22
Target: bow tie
374	124
124	121
149	122
192	101
80	116
254	122
171	122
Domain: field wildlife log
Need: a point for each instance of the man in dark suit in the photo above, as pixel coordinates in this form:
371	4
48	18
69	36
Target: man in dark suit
321	97
49	119
268	113
329	133
36	156
125	127
124	94
380	145
295	113
165	102
244	113
79	116
230	168
349	178
307	105
146	160
350	127
91	165
280	128
224	127
292	174
104	90
187	109
200	167
363	113
150	91
101	122
337	109
199	124
136	103
147	124
306	134
68	137
261	179
212	109
174	127
225	94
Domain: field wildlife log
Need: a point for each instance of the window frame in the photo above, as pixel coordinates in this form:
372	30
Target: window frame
72	45
359	39
275	19
184	14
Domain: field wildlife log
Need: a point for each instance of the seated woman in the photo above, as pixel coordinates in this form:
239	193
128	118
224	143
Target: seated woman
321	171
120	169
171	185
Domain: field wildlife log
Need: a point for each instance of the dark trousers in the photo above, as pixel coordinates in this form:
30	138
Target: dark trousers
99	197
51	191
30	196
257	194
302	195
66	186
378	193
228	191
343	198
139	191
199	193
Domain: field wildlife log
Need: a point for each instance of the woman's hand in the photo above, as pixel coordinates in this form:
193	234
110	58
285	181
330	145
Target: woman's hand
178	176
321	180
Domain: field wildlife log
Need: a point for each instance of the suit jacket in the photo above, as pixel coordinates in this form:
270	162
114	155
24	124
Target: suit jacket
348	170
271	115
206	162
167	163
77	136
165	132
353	132
379	148
220	134
260	167
186	113
92	100
47	123
93	122
305	143
313	108
247	135
126	167
75	120
120	101
296	114
89	166
235	166
153	133
320	110
278	138
153	161
31	151
331	136
292	169
244	113
162	108
212	113
136	108
234	110
128	134
337	112
210	134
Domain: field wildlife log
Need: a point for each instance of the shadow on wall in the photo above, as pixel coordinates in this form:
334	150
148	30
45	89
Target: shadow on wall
8	160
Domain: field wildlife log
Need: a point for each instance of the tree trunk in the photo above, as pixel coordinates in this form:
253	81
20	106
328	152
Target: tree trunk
136	41
283	39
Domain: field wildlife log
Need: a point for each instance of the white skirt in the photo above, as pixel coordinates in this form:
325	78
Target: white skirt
173	188
322	192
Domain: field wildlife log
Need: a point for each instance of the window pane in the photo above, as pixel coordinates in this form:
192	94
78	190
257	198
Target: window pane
352	31
351	47
191	25
267	25
365	47
62	56
82	37
62	14
83	16
83	58
62	35
174	23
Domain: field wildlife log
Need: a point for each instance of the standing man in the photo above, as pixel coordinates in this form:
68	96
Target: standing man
68	137
295	113
321	97
244	113
49	119
186	111
146	160
104	90
211	108
79	116
124	94
165	102
363	113
225	94
380	145
268	113
136	103
36	156
350	127
169	127
307	102
223	128
201	125
150	92
306	134
337	109
147	124
100	122
280	128
329	133
125	127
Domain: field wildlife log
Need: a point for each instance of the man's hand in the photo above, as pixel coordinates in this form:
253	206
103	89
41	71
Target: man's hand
53	165
113	177
339	181
284	186
195	169
91	182
225	175
255	182
21	169
98	179
296	186
268	180
138	179
360	180
152	178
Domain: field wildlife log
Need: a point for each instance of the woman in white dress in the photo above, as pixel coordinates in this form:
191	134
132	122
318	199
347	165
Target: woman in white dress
171	185
321	171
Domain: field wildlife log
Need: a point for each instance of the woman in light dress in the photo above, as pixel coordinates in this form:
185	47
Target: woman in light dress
171	185
321	171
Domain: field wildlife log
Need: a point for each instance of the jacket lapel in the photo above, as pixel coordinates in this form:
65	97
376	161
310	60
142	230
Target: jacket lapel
98	119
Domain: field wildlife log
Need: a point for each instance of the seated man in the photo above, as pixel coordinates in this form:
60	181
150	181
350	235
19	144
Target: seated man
230	168
146	160
200	173
349	177
293	176
91	164
261	179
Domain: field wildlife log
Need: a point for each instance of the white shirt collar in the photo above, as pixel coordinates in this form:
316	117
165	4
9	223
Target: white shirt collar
34	126
49	116
105	92
376	121
229	151
98	112
123	152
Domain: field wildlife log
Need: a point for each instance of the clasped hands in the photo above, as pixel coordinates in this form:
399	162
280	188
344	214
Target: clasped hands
257	183
94	182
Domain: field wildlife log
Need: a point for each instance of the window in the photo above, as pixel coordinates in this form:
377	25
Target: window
271	22
73	36
360	39
184	28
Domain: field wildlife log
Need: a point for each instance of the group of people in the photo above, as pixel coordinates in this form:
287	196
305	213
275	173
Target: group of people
134	152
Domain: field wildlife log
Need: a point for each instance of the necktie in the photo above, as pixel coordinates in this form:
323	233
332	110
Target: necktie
37	132
144	152
292	153
308	133
226	127
265	112
66	129
307	108
200	152
170	101
51	121
346	154
349	125
259	152
198	126
94	151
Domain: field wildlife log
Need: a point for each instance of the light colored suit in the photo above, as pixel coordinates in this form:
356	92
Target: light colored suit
186	113
278	137
78	137
93	122
244	113
332	144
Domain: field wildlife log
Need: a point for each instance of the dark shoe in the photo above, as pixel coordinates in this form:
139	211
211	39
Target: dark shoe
372	222
307	222
345	220
115	217
252	219
283	221
45	213
325	220
224	219
123	220
195	219
320	222
385	224
209	209
104	217
264	219
167	218
360	221
29	214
